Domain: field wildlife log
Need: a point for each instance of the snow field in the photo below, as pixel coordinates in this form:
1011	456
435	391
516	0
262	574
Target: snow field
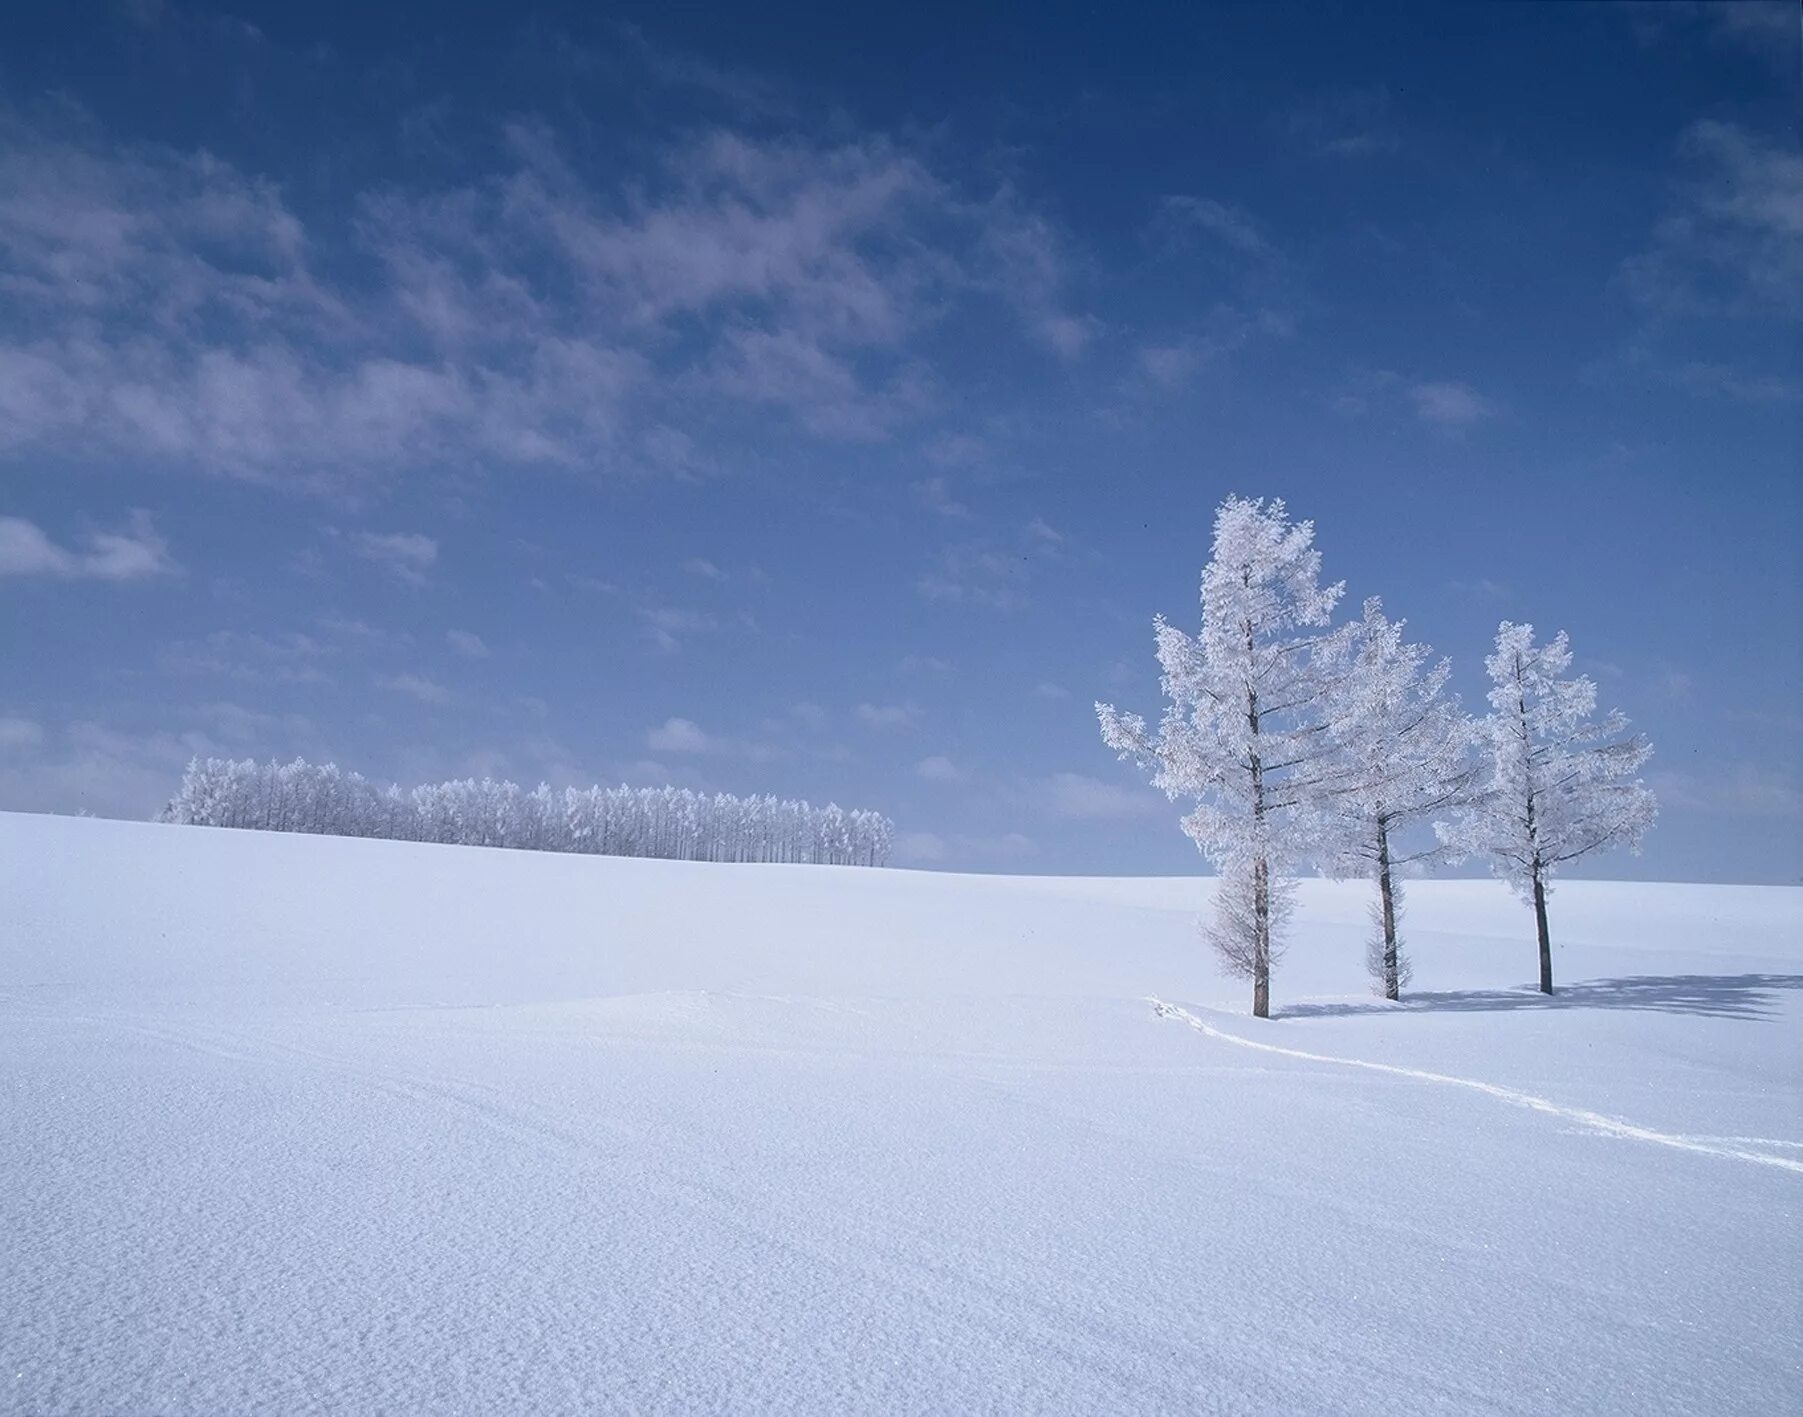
297	1124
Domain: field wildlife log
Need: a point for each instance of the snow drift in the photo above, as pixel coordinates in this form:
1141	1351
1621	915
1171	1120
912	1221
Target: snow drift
304	1124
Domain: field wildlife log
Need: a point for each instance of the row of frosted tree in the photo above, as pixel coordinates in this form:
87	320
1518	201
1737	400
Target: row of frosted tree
1307	743
669	822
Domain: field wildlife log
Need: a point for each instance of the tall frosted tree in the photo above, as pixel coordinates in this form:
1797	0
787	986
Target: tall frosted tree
1404	746
1245	731
1558	783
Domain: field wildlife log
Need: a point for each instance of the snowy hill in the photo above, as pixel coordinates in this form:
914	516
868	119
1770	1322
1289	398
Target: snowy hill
299	1124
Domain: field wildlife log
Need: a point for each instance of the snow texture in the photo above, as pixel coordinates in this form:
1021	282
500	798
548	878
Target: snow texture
298	1124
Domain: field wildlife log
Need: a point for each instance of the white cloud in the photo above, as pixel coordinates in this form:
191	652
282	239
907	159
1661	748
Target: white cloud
1039	532
290	658
1048	690
922	848
680	735
647	771
169	305
1009	846
668	625
1224	222
1348	123
704	568
1224	331
1023	259
467	643
931	849
16	732
427	691
1732	241
976	573
889	716
83	766
1072	795
939	768
989	573
1168	365
1449	405
936	496
1767	28
956	450
1723	381
133	554
1743	790
406	554
234	723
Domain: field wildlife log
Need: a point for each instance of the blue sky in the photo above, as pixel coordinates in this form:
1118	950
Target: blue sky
822	402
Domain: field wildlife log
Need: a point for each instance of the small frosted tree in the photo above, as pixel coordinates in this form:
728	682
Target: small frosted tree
1558	784
1404	758
1244	734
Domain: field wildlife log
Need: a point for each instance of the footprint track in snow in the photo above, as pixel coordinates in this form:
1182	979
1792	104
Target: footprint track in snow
1593	1121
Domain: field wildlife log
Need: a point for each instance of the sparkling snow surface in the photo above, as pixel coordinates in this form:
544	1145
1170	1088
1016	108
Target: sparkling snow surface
294	1124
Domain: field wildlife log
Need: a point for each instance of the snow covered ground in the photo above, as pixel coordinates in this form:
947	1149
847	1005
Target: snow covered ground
294	1124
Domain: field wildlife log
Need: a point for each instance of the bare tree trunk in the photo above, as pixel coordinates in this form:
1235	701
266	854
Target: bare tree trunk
1546	944
1261	870
1261	945
1392	984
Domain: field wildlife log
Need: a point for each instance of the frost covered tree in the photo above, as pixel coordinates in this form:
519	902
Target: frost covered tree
1245	730
1404	757
1557	783
623	821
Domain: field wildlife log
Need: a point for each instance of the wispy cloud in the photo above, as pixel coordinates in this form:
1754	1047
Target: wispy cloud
1042	534
889	716
1742	790
1732	242
168	303
941	769
680	735
1348	123
90	766
1022	257
1767	28
467	643
1723	381
991	571
1180	217
276	658
921	848
668	626
408	555
17	732
1449	404
415	686
934	494
129	555
976	573
1075	796
1168	364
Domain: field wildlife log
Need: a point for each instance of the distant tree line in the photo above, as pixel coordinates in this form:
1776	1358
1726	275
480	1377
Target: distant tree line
669	822
1301	742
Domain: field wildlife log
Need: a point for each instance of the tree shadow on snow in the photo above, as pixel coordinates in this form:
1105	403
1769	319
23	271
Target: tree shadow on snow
1706	995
